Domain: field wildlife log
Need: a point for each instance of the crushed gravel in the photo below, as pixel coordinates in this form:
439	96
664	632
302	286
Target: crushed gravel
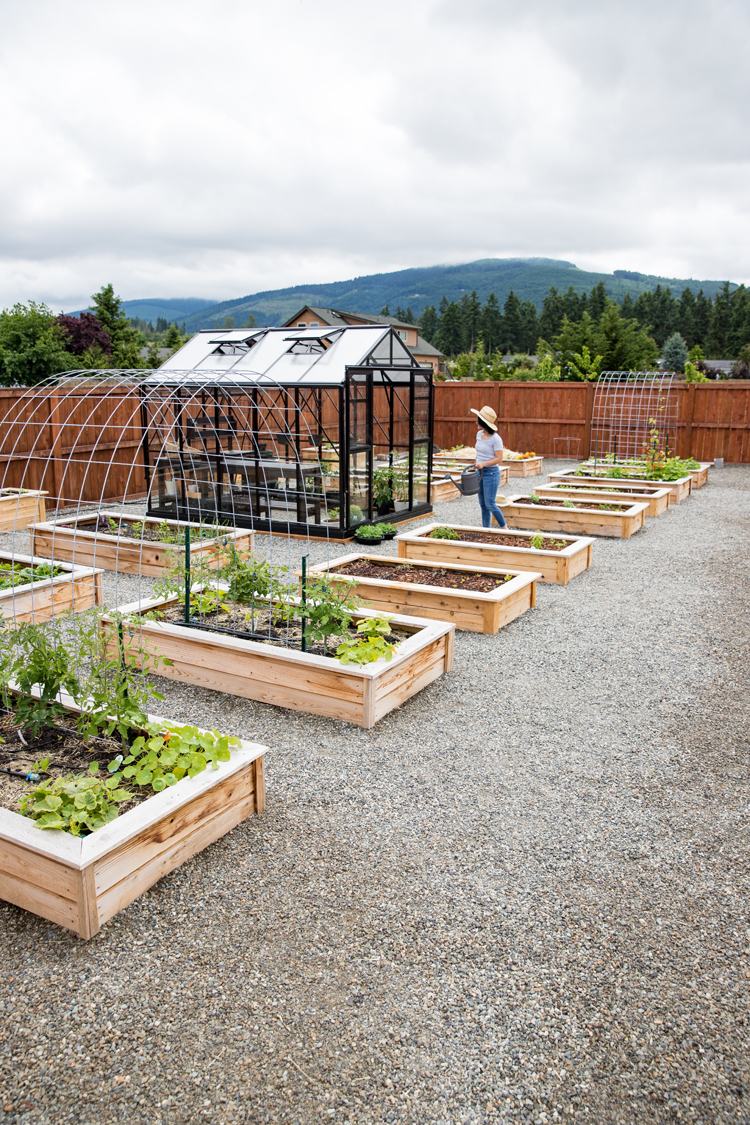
522	897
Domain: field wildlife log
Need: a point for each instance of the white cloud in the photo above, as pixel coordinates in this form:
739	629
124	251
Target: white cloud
181	148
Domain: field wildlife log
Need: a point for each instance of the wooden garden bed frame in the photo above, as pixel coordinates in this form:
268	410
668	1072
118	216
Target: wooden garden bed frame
587	521
299	681
19	506
79	588
529	467
679	489
81	883
62	539
698	476
553	566
466	609
657	500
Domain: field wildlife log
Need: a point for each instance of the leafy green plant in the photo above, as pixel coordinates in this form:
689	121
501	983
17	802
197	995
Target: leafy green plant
568	504
208	601
167	752
370	645
537	540
382	485
11	575
333	515
39	662
78	805
444	533
369	531
533	498
388	528
329	607
356	515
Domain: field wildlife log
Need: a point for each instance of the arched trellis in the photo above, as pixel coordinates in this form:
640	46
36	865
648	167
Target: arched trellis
634	412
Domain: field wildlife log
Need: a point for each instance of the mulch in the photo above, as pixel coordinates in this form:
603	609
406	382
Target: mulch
504	540
545	503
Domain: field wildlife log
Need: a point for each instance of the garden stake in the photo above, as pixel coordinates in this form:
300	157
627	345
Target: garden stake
304	599
187	575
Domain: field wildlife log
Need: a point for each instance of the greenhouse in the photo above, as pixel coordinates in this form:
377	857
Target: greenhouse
289	430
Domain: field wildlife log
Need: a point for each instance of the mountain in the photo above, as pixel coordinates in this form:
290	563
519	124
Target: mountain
529	278
172	308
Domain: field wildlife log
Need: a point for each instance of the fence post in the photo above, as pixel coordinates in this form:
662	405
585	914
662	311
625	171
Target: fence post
589	406
687	441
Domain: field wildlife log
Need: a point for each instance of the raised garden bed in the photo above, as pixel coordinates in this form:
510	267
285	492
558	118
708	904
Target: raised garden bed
36	596
657	499
526	467
587	518
89	540
679	489
516	466
82	882
442	591
19	507
558	558
285	677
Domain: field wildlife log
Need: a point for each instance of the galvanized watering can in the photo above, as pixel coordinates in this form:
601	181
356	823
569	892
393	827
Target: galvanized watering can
469	483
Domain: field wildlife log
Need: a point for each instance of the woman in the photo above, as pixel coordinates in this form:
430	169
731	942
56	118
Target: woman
489	447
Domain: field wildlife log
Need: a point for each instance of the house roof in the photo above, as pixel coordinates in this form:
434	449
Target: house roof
338	316
285	356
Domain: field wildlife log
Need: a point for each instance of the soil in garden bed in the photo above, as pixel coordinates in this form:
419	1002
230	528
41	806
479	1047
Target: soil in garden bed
69	753
604	487
408	572
260	625
545	503
140	530
502	540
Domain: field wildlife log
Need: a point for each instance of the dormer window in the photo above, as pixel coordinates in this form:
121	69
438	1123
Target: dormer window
309	347
233	347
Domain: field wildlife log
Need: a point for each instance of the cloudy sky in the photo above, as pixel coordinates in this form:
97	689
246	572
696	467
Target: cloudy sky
217	149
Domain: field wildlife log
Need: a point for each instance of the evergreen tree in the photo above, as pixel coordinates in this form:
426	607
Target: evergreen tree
471	312
643	308
173	339
443	305
32	346
721	324
491	324
428	324
529	326
512	331
702	317
126	340
623	344
598	300
451	332
674	354
739	333
385	311
571	304
551	317
664	314
571	340
686	316
405	314
627	308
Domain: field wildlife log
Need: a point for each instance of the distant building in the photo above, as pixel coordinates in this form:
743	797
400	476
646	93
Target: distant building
424	353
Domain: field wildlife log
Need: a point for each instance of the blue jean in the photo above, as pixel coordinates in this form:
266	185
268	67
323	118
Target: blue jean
488	486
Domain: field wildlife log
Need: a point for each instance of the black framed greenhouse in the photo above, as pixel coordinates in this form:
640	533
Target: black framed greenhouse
301	431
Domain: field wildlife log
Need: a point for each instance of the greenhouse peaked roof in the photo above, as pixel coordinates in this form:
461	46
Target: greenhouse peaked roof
283	356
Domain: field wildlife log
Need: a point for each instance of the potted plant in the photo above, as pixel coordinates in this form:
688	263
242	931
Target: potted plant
369	535
400	490
387	530
382	489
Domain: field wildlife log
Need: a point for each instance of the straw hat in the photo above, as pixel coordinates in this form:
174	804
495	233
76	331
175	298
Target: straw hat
487	415
502	501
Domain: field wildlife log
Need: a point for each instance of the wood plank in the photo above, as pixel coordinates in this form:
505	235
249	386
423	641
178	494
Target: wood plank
38	870
259	784
657	500
39	900
585	521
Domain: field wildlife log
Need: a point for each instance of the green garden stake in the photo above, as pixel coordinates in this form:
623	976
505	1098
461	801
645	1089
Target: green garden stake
304	599
187	575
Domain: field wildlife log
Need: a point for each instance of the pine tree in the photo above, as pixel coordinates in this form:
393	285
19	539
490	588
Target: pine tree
512	331
674	354
385	311
721	324
739	333
627	307
428	324
529	326
451	333
491	323
702	318
551	317
686	316
598	300
471	312
126	340
664	314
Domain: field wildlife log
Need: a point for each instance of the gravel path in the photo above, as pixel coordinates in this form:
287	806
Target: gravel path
522	897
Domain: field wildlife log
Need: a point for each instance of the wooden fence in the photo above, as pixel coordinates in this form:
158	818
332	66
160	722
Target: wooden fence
554	419
85	444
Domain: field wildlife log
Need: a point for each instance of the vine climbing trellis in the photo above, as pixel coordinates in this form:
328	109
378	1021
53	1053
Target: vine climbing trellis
634	412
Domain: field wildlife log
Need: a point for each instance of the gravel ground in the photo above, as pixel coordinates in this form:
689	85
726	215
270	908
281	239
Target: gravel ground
522	897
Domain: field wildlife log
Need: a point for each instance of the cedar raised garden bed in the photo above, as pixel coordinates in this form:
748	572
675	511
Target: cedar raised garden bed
500	548
657	499
79	539
480	611
75	587
587	518
284	677
679	489
19	506
82	882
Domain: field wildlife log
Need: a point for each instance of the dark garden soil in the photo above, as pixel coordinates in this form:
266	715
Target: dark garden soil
614	487
69	754
408	572
504	540
545	503
259	625
146	532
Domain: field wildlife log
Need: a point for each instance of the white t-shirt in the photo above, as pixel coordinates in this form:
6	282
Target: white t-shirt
488	446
